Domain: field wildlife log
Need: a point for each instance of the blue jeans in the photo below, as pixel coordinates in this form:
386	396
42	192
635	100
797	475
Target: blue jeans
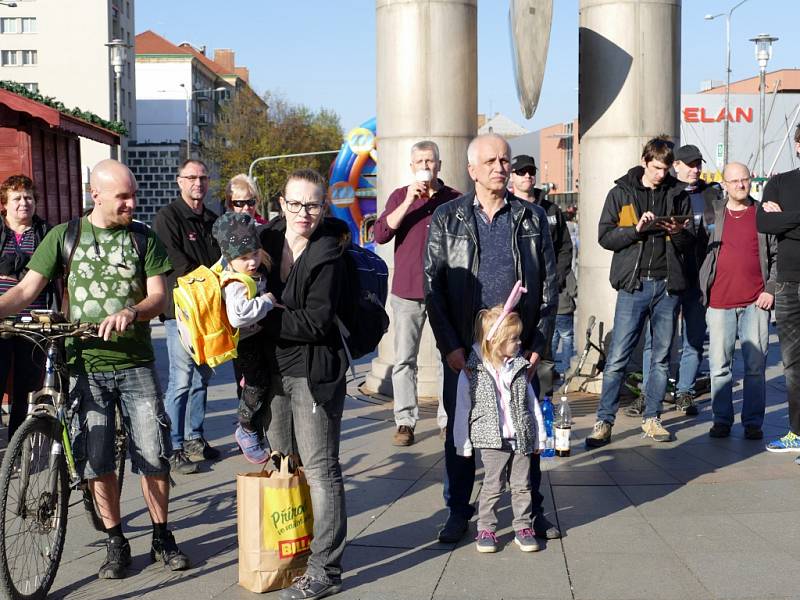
693	322
459	471
565	333
187	389
630	313
314	432
752	326
92	428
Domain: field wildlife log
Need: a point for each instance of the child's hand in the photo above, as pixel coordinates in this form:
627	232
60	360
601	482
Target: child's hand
274	300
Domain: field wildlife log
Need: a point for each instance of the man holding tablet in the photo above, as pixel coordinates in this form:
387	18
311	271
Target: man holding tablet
646	224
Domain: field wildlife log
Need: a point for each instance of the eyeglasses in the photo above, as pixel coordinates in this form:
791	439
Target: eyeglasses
312	208
744	181
193	178
251	202
526	171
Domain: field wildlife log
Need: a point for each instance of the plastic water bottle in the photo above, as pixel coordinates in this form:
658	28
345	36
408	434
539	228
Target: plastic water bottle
547	415
562	426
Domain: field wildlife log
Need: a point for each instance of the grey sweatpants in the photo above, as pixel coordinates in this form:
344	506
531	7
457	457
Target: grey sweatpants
495	465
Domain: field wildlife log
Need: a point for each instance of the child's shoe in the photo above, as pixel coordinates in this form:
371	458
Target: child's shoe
526	540
486	541
251	446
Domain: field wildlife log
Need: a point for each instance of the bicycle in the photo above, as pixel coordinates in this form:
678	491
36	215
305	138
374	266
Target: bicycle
38	469
588	346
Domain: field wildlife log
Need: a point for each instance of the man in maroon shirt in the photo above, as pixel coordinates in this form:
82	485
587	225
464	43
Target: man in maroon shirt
406	219
737	281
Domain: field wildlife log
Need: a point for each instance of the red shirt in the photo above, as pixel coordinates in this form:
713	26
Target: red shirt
738	281
410	238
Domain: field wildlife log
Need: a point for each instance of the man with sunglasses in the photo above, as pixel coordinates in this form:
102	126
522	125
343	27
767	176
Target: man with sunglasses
523	180
638	225
405	220
184	227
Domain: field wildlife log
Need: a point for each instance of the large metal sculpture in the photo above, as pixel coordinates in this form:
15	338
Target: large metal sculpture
529	23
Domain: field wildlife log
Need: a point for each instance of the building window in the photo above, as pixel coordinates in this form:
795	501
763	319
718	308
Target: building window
12	58
28	24
31	86
8	25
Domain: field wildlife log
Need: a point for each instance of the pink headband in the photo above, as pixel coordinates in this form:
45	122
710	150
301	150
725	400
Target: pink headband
513	300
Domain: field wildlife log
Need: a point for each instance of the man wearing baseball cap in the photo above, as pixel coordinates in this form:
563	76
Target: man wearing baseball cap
523	179
687	166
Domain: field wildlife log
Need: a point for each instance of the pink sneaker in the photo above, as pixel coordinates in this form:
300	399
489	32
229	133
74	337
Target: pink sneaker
252	448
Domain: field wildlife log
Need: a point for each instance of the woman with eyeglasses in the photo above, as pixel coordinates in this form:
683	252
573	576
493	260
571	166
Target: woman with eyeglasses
308	364
21	231
241	196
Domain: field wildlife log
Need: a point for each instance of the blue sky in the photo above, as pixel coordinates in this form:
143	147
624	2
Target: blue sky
321	53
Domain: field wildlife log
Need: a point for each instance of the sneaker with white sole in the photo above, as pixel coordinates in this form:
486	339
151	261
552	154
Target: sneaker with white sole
653	429
788	443
486	541
251	446
526	540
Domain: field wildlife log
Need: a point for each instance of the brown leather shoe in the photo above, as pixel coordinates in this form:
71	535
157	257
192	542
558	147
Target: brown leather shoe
404	436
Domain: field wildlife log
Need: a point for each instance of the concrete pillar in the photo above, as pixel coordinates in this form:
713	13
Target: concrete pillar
629	92
427	88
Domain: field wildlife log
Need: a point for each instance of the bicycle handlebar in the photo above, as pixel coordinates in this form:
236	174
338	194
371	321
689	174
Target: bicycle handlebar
77	329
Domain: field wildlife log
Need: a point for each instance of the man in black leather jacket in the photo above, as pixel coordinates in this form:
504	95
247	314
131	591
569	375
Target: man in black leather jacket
479	245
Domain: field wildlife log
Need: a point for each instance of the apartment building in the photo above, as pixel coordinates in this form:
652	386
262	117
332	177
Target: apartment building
58	48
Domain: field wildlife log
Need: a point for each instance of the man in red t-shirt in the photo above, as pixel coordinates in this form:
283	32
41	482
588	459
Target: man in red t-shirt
737	281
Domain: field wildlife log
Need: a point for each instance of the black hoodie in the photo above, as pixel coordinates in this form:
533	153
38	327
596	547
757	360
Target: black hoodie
650	254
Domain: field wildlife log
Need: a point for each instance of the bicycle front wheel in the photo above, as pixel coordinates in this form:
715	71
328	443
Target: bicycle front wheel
34	495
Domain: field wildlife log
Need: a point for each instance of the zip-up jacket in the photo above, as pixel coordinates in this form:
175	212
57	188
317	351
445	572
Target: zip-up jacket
559	233
452	258
627	201
189	243
702	202
767	252
478	422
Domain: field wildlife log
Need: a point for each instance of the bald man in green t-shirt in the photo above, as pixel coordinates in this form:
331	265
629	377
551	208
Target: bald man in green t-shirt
109	284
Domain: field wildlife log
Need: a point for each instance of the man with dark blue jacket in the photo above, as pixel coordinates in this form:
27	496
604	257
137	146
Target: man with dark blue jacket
647	270
479	245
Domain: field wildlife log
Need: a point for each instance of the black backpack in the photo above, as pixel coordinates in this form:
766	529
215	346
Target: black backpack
362	317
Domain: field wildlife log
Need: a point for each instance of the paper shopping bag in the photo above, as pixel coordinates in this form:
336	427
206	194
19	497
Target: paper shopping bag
275	525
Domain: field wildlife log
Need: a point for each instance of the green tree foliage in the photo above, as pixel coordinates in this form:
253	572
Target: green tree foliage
246	129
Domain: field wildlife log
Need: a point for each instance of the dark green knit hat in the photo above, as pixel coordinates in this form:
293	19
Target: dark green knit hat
236	234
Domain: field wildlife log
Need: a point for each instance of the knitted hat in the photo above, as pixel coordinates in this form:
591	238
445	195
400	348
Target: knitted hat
236	234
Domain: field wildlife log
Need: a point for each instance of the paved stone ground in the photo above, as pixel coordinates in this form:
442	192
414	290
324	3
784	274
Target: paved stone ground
693	519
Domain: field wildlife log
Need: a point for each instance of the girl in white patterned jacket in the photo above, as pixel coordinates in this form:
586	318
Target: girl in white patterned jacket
498	413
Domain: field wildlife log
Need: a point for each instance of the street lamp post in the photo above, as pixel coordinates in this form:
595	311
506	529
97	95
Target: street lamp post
189	93
726	123
119	54
763	43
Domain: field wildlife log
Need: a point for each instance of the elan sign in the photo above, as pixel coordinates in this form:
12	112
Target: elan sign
699	114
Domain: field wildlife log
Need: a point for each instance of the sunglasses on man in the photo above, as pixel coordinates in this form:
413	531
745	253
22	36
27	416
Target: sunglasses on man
526	171
251	202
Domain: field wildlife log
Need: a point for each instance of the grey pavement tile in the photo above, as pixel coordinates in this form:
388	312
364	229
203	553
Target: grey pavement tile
628	576
391	573
746	574
566	477
509	573
779	529
402	528
614	534
653	476
691	533
590	502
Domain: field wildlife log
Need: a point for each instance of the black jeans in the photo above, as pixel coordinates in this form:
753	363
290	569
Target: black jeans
254	413
787	313
26	362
